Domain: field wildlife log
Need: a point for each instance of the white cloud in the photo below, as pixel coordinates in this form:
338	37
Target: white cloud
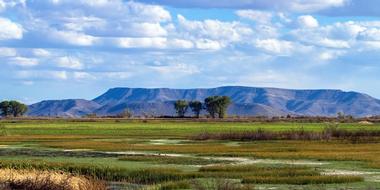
330	55
116	75
152	43
2	5
23	61
116	9
264	77
337	35
158	42
177	69
181	44
95	22
206	44
7	52
274	46
10	30
372	34
71	38
95	3
345	30
82	75
41	52
147	29
276	5
62	75
69	63
330	43
153	13
41	74
307	21
368	46
313	5
257	16
224	32
82	23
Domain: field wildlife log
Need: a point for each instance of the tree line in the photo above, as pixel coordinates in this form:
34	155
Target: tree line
12	109
216	106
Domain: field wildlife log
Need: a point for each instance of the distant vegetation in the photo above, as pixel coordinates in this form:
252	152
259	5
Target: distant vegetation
196	108
181	107
12	108
216	106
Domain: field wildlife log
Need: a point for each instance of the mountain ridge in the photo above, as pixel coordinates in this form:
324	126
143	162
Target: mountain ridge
247	101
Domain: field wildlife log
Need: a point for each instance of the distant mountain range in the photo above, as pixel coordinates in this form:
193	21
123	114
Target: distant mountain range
247	101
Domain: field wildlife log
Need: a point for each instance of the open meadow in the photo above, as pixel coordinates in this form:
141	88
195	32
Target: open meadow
186	154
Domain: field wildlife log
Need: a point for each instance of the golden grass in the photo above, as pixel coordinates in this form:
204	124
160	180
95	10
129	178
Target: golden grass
33	179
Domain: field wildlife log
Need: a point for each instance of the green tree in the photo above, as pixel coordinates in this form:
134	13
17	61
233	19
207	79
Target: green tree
13	108
217	105
181	107
211	105
222	103
17	108
196	107
5	109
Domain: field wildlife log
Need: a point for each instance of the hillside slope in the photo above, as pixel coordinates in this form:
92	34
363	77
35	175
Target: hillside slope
63	108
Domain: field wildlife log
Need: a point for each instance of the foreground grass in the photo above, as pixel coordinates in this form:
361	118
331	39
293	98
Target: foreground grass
46	180
248	174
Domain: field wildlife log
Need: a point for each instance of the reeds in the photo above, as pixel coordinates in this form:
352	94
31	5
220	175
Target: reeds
144	176
252	170
328	133
295	175
302	180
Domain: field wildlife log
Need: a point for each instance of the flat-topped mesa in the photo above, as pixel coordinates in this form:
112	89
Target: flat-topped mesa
247	101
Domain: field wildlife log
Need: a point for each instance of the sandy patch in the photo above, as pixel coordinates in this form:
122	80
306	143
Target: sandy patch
166	141
38	179
246	161
348	172
78	150
365	123
133	153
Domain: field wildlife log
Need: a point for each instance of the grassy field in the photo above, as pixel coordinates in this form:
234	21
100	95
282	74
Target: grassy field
164	154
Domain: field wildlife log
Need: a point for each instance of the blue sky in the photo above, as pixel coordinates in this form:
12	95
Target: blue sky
56	49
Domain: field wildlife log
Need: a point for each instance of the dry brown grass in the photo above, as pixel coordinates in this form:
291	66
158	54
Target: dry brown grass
46	180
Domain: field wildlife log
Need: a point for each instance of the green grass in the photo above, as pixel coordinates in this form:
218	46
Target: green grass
157	159
154	129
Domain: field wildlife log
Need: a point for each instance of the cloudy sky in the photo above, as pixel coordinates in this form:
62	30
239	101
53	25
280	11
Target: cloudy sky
54	49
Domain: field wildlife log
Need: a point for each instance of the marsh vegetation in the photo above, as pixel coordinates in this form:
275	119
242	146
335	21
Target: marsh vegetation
159	154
